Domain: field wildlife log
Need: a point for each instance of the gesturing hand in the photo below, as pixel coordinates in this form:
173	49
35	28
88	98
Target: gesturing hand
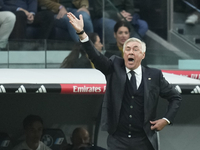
158	124
76	23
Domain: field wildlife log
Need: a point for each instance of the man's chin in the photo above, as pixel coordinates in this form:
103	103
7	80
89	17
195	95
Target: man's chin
130	66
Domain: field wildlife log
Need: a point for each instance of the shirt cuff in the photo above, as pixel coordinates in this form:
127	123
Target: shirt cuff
18	8
32	13
166	120
85	40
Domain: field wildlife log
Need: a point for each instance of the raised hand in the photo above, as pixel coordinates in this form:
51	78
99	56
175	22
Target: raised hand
75	22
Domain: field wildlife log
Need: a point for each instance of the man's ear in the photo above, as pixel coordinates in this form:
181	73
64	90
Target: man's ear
114	34
143	55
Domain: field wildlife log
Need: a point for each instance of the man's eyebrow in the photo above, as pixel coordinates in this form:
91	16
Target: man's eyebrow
133	47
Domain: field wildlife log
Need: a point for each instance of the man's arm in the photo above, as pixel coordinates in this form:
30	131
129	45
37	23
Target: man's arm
101	62
32	6
6	7
168	92
52	5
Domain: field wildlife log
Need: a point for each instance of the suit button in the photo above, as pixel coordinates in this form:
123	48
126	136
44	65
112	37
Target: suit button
131	106
132	97
130	116
129	125
129	136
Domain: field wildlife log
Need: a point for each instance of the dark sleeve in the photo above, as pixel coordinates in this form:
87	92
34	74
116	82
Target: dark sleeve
167	91
129	6
100	61
4	7
32	6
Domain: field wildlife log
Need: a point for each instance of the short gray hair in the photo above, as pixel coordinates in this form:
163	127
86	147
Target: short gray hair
135	40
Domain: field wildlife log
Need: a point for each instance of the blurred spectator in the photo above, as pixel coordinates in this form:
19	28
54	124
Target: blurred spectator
61	7
78	58
26	13
121	34
7	21
125	11
33	127
81	140
194	15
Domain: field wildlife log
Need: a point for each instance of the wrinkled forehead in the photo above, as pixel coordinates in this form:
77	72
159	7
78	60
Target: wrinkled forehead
133	44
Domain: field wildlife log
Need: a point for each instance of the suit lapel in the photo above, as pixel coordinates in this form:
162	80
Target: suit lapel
123	79
122	75
147	80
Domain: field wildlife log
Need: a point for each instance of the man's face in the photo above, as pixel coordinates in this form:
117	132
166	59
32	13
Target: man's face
133	55
98	44
34	132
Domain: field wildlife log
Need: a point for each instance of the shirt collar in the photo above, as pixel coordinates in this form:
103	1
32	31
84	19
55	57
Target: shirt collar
137	71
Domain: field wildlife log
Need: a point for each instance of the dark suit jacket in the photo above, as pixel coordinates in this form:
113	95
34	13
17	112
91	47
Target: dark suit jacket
155	85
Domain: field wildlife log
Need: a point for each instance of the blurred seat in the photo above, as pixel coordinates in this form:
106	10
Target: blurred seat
54	138
5	141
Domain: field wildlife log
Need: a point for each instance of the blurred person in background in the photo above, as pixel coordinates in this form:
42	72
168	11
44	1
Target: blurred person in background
121	33
78	58
194	14
27	15
61	7
33	127
115	11
81	140
7	21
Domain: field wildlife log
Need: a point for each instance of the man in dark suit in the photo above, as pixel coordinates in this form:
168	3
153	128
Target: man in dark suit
129	106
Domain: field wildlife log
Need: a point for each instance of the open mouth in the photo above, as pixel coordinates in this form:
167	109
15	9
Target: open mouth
130	59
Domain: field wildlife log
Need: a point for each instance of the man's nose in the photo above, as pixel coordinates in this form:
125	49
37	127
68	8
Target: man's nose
131	51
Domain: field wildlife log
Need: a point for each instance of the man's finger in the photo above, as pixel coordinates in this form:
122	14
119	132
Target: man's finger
153	122
81	17
153	127
72	15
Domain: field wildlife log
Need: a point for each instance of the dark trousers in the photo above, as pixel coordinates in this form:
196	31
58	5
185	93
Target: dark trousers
42	19
124	143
